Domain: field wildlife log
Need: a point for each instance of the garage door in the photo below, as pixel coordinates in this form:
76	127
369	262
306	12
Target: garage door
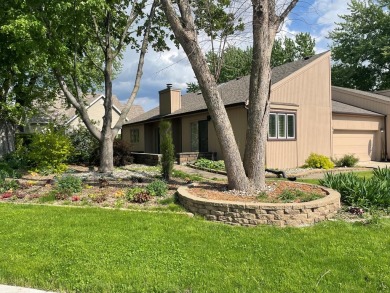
360	143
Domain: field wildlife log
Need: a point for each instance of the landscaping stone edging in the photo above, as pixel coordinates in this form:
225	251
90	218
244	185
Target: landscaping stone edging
253	214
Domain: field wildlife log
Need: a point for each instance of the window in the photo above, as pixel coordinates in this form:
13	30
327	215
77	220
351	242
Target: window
281	126
134	135
194	137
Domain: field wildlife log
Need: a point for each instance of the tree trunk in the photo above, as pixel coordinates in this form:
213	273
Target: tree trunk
186	34
259	93
107	138
106	153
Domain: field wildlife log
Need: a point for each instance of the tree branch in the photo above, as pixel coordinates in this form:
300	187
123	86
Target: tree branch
132	17
80	107
137	81
284	14
100	41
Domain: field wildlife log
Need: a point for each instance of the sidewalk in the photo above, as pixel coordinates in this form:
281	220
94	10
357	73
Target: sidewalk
14	289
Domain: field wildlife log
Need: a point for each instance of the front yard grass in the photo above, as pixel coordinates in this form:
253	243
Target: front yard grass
97	250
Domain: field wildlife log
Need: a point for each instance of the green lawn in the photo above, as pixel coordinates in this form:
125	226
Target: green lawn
99	250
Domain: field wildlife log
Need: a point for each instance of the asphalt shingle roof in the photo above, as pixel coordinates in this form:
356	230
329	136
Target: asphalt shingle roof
359	92
338	107
232	92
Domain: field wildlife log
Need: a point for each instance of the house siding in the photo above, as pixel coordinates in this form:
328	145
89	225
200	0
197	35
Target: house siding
309	90
365	102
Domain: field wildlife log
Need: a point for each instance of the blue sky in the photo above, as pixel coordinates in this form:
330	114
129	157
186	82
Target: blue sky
317	17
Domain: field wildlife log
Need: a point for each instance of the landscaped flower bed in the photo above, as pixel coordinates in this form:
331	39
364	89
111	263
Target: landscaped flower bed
248	211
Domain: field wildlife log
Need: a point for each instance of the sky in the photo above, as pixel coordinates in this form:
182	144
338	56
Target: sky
318	17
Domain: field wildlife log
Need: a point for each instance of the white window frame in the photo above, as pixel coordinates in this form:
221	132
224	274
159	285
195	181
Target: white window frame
286	126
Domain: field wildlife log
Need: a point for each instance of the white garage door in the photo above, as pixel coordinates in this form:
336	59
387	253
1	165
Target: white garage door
360	143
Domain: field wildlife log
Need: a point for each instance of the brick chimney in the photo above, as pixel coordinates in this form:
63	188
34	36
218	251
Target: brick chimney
170	100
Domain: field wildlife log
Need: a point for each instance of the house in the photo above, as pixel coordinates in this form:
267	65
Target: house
303	118
364	132
63	114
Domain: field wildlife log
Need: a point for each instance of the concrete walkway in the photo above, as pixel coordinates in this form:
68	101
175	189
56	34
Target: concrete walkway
15	289
373	164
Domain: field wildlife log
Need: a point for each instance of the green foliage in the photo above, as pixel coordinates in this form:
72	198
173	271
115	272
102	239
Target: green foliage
98	197
346	161
360	46
132	192
360	191
186	176
67	185
85	146
319	162
157	188
209	164
167	149
49	151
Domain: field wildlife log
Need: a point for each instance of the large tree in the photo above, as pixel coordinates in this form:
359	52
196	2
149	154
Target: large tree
360	49
236	62
25	85
266	21
83	43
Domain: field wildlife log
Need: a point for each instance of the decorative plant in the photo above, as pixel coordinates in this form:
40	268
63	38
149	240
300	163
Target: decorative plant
319	162
167	149
157	188
346	161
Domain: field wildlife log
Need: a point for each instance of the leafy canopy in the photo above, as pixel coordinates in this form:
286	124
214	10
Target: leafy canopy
360	50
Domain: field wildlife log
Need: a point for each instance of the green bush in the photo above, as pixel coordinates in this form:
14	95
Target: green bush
67	185
167	149
346	161
85	145
49	151
137	194
131	192
319	162
361	192
209	164
157	188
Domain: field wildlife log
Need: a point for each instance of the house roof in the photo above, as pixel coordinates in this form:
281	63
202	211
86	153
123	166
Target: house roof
378	96
61	109
232	92
384	92
338	107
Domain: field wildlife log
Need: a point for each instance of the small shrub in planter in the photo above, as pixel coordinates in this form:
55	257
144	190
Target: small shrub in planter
209	164
141	197
157	188
137	194
97	197
319	162
70	184
346	161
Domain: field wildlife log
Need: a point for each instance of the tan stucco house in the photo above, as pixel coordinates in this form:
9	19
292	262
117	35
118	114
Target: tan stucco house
303	118
68	116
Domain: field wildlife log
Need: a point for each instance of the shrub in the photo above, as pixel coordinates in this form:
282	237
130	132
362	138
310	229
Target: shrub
209	164
131	192
167	149
49	151
141	197
157	188
85	145
122	153
346	161
6	185
97	197
66	186
361	192
318	161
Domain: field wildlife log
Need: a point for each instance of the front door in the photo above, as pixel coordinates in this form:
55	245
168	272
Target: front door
203	136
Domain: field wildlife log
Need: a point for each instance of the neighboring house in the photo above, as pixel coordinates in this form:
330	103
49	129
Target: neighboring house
365	133
67	115
303	118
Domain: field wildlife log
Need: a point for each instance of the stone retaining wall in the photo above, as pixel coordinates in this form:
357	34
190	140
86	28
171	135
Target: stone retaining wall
252	214
146	158
184	158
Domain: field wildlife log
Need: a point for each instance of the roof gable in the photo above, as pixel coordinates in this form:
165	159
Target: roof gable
232	93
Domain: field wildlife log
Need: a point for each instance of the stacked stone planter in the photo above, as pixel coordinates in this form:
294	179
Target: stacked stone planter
252	214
